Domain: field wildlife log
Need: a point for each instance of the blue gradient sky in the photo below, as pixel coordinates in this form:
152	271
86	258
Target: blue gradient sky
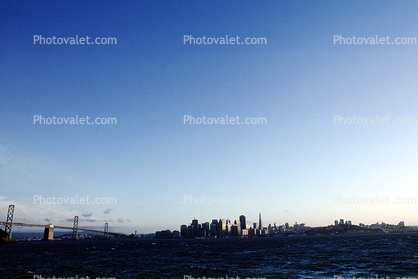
297	164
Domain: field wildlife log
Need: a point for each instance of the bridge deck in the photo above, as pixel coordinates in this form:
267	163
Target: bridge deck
55	227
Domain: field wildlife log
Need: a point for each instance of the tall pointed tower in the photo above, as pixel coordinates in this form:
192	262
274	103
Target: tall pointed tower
260	224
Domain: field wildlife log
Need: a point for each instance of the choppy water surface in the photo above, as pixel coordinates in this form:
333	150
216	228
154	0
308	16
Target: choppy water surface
394	255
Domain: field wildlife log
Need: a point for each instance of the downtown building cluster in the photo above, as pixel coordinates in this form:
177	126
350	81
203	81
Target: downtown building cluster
222	228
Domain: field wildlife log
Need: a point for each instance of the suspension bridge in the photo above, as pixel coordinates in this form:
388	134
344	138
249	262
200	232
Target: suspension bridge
49	228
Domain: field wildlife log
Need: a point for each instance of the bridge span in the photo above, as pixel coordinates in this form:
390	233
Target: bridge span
49	228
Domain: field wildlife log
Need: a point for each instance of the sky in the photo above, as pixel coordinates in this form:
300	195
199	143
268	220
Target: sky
155	171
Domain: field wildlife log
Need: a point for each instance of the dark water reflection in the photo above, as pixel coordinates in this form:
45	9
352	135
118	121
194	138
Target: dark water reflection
392	255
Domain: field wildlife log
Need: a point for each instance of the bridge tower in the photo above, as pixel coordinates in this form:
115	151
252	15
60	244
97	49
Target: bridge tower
49	232
10	213
106	230
75	228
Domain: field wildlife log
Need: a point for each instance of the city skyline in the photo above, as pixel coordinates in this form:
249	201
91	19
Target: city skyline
242	221
221	228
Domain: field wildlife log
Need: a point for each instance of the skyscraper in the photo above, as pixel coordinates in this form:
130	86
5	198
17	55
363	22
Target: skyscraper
214	227
243	222
195	224
221	228
190	231
260	224
183	230
237	223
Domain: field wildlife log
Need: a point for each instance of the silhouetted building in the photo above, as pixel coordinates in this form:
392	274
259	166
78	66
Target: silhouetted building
243	222
183	230
234	230
221	228
190	231
260	224
195	225
238	224
228	229
270	230
205	229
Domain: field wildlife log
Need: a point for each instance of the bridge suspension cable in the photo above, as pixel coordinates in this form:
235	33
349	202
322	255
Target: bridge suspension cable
20	212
